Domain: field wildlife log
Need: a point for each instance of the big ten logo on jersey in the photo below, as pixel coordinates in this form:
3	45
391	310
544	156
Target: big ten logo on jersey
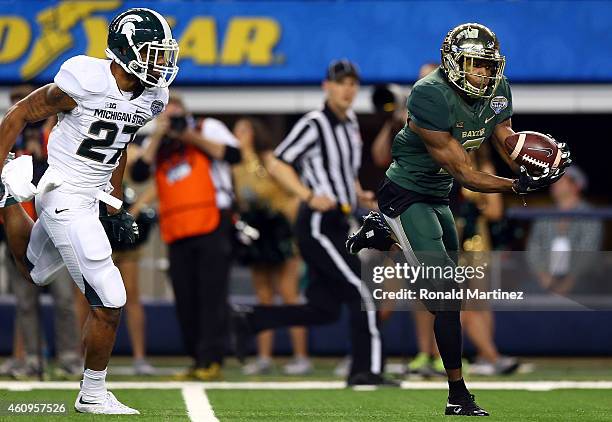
245	40
111	126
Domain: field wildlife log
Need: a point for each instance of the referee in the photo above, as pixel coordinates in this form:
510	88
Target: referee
319	162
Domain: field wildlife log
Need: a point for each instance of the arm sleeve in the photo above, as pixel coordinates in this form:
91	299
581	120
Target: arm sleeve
301	139
428	108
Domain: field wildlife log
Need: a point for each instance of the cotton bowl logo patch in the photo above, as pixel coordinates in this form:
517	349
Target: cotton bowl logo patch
498	104
157	107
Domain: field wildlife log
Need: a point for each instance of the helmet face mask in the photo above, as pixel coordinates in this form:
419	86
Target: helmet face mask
468	47
141	42
155	63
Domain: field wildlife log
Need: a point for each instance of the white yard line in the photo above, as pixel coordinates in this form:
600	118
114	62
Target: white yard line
198	406
305	385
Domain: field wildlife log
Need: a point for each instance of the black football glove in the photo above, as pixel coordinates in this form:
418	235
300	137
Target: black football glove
527	183
566	161
121	228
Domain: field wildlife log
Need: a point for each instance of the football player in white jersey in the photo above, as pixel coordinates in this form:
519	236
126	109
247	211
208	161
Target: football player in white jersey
101	104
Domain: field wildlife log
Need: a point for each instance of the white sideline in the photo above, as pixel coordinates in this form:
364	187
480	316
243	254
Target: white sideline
198	406
305	385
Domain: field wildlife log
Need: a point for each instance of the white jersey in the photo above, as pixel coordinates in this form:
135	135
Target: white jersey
86	144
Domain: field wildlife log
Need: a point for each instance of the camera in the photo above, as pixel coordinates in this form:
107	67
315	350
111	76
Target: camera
386	99
178	123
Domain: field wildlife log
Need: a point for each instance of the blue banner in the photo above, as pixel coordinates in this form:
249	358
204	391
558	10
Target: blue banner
277	42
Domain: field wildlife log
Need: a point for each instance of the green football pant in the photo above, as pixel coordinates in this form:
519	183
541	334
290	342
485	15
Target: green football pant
427	233
428	236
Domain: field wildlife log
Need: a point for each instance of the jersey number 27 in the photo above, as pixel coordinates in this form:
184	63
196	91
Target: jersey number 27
86	147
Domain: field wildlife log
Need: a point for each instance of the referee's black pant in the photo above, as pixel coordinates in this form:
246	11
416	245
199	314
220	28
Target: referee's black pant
334	280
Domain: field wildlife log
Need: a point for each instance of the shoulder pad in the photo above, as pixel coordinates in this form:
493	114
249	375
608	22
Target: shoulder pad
163	94
425	90
83	76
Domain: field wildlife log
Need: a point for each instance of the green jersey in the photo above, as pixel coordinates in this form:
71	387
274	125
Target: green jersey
435	105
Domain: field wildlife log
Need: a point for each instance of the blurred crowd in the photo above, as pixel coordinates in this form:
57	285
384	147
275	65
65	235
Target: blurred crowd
205	183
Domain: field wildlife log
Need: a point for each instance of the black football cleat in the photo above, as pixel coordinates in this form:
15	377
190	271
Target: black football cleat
465	406
240	330
370	379
374	233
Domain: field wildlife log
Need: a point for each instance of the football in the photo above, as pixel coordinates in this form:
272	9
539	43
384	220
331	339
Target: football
534	150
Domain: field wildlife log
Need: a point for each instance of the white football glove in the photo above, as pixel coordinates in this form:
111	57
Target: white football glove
17	178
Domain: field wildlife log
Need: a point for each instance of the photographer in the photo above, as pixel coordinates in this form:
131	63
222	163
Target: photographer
195	228
389	103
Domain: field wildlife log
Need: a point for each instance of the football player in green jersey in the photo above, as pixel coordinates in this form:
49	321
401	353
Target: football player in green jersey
466	101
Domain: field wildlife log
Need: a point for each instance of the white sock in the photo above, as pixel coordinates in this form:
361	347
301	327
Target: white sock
94	386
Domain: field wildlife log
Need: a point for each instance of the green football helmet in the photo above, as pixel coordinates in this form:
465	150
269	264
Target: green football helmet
140	40
472	45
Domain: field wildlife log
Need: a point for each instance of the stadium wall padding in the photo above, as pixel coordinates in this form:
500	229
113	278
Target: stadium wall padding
543	333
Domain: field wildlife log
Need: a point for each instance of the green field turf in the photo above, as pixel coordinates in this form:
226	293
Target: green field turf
405	405
154	405
164	401
337	405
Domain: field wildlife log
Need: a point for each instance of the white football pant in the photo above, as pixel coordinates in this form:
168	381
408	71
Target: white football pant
68	235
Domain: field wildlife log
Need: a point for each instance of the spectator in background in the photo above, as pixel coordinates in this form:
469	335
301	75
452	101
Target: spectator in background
28	321
196	224
266	206
556	245
390	103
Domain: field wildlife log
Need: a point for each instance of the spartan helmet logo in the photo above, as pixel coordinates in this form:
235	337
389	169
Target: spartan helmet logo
127	27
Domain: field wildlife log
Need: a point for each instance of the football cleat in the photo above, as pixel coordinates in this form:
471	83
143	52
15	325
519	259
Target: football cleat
373	234
465	406
370	379
108	406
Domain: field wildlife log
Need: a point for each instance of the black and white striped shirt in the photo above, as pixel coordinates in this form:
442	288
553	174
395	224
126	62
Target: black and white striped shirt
326	152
